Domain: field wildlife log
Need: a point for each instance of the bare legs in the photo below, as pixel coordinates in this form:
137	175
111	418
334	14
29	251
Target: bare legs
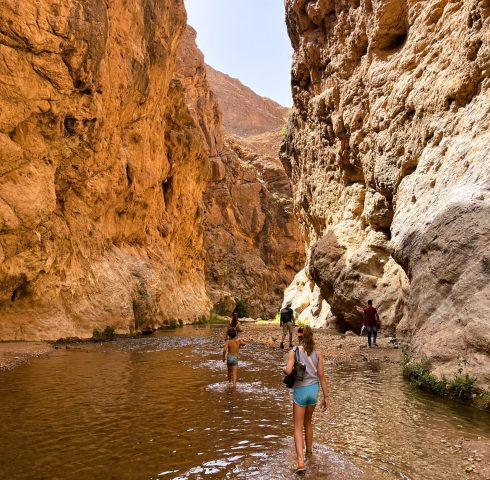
232	374
302	422
309	428
299	420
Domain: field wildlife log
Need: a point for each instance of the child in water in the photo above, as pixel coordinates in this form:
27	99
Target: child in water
231	351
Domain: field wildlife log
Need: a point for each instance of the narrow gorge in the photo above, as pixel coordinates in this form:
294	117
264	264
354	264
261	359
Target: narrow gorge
141	186
148	199
123	201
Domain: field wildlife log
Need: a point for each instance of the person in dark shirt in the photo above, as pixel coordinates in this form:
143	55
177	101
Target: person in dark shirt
287	324
372	322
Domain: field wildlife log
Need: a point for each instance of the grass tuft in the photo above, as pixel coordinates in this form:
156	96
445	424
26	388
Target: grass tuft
461	386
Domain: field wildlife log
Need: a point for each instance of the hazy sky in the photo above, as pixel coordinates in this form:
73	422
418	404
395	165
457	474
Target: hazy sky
246	39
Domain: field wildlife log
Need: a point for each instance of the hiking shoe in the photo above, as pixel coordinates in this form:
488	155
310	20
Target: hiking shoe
282	346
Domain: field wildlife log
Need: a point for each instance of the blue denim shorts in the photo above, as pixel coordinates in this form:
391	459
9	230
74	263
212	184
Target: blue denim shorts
304	396
232	361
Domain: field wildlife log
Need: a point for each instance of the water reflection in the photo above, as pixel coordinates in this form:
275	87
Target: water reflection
160	408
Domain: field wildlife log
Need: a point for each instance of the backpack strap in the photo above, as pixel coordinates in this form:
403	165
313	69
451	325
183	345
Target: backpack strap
296	354
311	363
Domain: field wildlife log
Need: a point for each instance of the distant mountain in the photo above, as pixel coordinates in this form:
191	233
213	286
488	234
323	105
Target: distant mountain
244	112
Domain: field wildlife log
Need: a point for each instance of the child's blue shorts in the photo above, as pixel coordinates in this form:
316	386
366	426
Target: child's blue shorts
304	396
232	361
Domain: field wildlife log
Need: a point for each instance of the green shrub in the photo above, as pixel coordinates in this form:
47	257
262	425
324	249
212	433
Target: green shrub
220	308
212	318
109	333
96	334
461	387
242	309
173	324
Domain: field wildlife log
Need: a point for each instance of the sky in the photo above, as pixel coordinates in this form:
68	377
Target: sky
246	39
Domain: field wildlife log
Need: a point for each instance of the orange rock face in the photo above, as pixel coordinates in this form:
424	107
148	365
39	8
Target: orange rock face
102	170
252	242
244	112
388	152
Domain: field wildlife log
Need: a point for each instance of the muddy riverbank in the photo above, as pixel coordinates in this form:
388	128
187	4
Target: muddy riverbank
338	348
14	354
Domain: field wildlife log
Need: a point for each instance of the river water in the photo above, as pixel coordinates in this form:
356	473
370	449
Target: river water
160	408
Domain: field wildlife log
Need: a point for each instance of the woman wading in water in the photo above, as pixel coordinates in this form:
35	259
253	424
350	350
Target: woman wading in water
305	392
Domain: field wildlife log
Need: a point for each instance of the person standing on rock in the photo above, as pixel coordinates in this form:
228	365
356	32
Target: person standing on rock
372	322
287	323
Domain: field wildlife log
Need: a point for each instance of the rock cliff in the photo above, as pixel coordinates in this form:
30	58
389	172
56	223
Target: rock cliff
252	242
388	152
102	170
244	112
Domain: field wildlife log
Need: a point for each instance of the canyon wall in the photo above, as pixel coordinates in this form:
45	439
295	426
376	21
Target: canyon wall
388	151
102	170
244	112
252	241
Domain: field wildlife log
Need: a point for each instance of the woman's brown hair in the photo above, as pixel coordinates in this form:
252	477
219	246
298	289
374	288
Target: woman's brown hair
308	342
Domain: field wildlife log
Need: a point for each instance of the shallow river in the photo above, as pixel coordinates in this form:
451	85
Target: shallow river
160	408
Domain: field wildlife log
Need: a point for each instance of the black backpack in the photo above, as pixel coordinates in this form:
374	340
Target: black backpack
286	315
298	372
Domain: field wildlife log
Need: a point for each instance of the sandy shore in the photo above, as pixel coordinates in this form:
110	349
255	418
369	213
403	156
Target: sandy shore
337	348
14	354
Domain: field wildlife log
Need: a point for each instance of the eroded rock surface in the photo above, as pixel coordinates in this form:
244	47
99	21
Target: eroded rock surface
388	152
102	170
244	112
253	245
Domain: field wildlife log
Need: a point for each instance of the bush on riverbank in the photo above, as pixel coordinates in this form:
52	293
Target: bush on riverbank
461	386
173	324
109	333
242	309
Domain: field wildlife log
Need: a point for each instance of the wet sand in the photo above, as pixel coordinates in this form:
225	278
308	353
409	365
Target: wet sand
337	348
14	354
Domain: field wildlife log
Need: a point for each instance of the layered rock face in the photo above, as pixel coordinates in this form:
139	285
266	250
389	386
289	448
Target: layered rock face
102	170
253	245
244	112
253	242
389	155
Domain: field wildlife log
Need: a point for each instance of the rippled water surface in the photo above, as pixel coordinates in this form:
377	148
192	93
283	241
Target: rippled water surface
160	408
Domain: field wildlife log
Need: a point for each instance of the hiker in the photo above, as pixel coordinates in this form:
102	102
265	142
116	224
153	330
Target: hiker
231	352
305	392
234	323
287	324
372	322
